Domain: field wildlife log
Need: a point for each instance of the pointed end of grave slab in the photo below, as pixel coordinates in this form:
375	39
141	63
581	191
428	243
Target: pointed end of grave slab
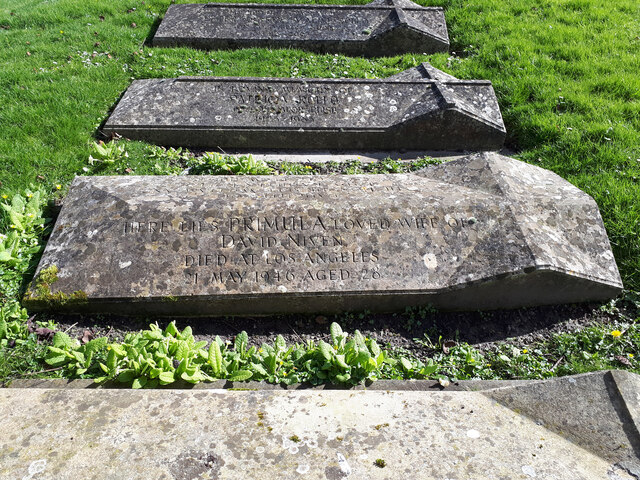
598	411
574	244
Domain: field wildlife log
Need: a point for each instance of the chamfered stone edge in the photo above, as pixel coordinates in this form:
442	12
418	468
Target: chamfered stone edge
523	237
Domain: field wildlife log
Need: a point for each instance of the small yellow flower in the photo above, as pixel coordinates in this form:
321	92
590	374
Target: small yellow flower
5	196
616	333
630	355
524	350
29	215
309	167
12	226
29	195
58	187
61	31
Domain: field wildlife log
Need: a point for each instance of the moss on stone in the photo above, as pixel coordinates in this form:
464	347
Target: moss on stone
40	290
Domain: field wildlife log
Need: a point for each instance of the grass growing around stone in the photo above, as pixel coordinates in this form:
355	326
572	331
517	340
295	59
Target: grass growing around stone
565	73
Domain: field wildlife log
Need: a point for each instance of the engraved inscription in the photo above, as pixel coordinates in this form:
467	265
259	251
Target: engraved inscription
454	234
286	249
288	224
311	103
290	103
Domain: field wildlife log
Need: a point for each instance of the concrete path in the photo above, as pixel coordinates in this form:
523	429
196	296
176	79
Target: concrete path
583	427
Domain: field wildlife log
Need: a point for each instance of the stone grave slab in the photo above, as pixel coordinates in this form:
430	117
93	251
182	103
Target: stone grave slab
421	109
482	232
323	434
381	28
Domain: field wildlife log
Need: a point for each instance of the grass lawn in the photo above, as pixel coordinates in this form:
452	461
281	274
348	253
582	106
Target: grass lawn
566	74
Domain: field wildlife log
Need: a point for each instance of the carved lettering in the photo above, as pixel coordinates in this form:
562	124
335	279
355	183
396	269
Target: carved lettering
146	227
278	258
206	260
289	103
217	277
244	241
330	274
263	249
342	257
300	240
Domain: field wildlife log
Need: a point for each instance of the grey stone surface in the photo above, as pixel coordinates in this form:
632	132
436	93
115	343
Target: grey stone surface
381	28
363	156
420	109
592	410
181	434
379	385
628	387
482	232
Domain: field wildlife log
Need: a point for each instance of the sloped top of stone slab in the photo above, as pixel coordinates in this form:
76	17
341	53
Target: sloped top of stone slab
463	235
556	202
598	411
420	109
381	28
322	434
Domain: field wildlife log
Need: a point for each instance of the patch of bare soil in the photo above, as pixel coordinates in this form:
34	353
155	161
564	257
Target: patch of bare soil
406	330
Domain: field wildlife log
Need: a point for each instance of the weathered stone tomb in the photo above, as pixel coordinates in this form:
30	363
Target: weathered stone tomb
422	108
482	232
380	28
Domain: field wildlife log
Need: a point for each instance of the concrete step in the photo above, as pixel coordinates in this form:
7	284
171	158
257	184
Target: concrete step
581	427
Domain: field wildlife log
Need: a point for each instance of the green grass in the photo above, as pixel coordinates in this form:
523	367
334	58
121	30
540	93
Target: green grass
598	347
566	74
155	357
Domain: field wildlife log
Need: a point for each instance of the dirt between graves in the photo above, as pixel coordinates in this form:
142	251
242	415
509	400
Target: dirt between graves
484	330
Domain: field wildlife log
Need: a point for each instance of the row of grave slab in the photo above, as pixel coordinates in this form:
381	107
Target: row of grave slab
481	232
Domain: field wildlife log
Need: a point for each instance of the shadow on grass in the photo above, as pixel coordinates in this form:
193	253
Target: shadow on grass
152	32
99	134
50	211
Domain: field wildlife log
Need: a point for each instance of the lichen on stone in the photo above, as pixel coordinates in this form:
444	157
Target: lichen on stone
39	292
